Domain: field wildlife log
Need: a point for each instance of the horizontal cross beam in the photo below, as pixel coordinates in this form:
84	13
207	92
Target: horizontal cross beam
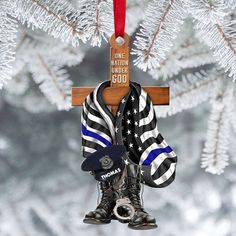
113	95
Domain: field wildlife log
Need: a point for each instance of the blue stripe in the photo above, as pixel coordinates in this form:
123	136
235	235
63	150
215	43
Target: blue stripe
154	153
94	135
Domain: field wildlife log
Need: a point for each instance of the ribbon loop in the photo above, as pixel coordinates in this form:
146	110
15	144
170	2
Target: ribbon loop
119	7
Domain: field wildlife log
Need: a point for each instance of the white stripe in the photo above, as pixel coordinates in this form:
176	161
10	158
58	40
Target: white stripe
142	100
149	118
88	149
150	133
96	131
91	103
159	160
94	140
104	115
167	175
94	118
144	155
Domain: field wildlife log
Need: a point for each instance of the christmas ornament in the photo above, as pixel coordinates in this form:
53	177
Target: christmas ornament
148	157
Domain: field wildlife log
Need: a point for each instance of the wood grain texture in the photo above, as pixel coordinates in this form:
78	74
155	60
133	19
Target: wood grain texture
119	66
113	95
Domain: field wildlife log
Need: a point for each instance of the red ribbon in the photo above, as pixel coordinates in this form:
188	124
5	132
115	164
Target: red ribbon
119	7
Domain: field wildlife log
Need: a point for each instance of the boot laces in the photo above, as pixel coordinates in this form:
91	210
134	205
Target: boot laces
134	196
106	199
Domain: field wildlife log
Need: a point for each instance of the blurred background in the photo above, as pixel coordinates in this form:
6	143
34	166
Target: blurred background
44	192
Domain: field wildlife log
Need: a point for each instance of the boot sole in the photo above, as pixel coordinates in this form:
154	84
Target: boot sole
124	221
143	226
96	222
113	217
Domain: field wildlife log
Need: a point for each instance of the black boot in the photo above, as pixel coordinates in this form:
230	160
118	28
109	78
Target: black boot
141	219
102	214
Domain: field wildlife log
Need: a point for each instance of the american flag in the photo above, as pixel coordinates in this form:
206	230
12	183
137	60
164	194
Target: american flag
134	126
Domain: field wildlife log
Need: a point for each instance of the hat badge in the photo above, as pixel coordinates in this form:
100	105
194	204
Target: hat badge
106	162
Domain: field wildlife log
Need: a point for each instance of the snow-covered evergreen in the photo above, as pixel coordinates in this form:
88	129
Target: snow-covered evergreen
186	44
189	45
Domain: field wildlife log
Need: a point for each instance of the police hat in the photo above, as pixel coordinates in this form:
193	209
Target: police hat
106	163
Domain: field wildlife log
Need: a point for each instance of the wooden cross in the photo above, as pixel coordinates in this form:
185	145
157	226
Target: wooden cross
120	78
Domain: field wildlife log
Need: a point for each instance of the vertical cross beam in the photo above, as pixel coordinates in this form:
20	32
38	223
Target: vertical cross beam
119	65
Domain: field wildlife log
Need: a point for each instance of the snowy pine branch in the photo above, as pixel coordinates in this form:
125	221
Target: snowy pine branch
98	16
99	21
135	13
8	35
233	119
56	17
215	157
160	26
231	4
187	52
207	10
190	91
69	56
19	84
38	53
185	61
30	43
216	31
53	82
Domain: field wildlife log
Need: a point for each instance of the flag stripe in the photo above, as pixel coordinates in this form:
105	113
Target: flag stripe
167	182
90	150
89	105
154	145
104	114
156	163
91	144
166	176
146	109
149	134
164	167
102	134
148	119
95	125
149	126
158	140
142	100
155	153
91	134
96	119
